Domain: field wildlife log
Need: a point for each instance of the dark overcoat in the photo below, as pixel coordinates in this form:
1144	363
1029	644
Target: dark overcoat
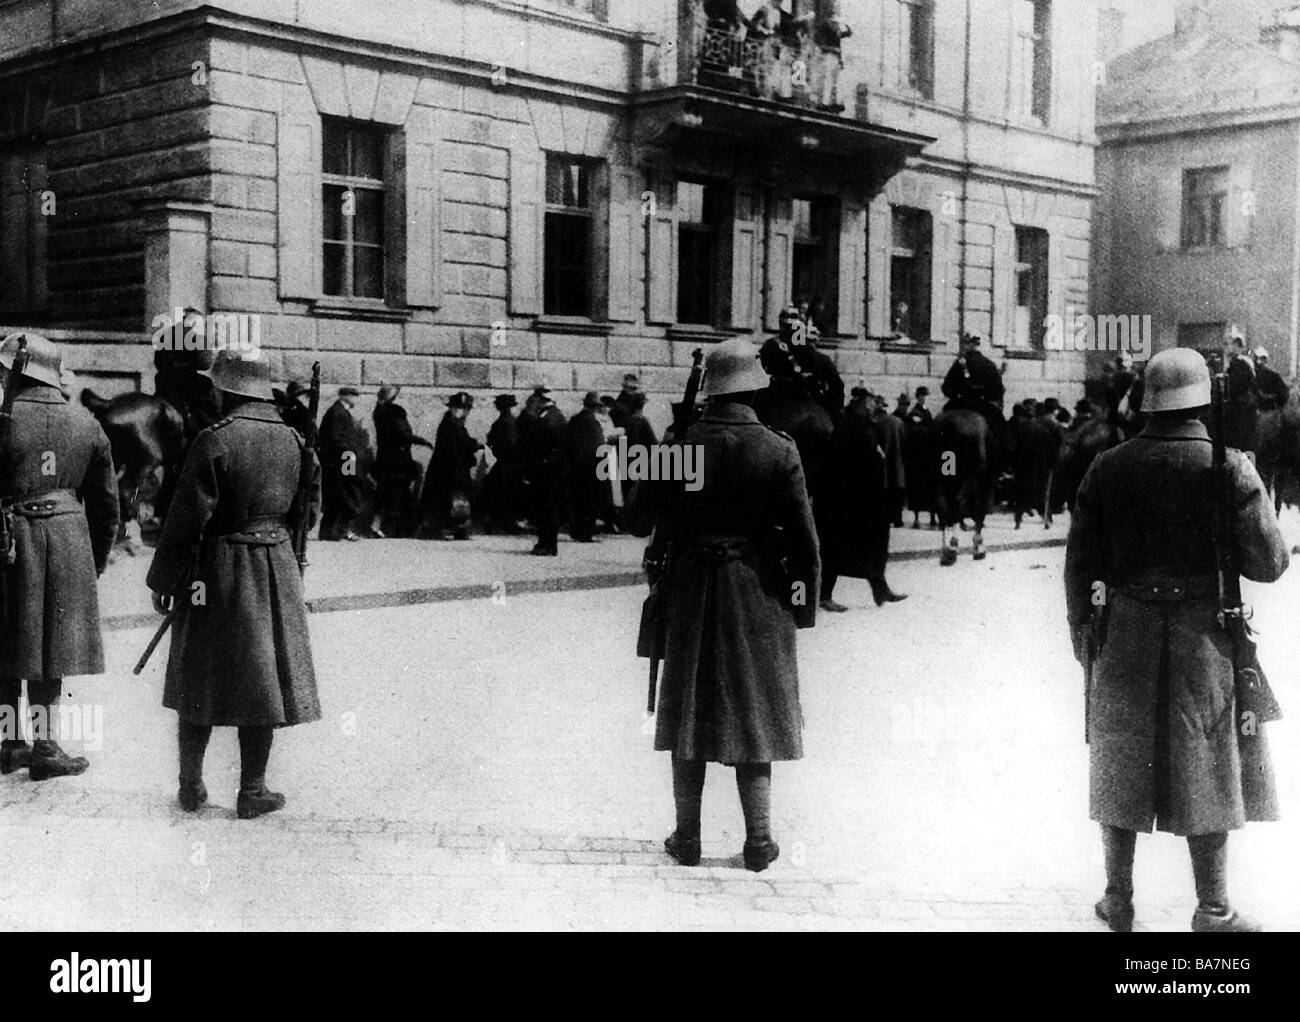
451	468
241	655
730	690
852	507
1164	746
340	435
49	599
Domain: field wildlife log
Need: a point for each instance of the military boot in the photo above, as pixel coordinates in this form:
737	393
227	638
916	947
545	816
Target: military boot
48	760
1116	907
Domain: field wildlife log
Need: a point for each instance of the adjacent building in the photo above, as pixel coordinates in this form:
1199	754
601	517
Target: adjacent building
1199	171
451	194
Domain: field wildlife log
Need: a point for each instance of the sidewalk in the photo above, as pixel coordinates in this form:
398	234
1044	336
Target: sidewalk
396	573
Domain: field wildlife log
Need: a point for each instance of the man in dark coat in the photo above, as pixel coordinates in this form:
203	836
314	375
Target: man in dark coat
1242	413
397	474
240	653
1119	385
736	563
854	508
343	458
503	487
623	403
583	437
1162	727
920	465
975	383
445	503
181	357
1272	389
891	428
58	489
541	450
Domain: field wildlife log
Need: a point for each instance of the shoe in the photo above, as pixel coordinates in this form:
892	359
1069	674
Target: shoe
14	755
1229	921
584	539
251	805
48	760
545	551
685	850
352	537
1116	913
759	855
831	607
192	797
883	594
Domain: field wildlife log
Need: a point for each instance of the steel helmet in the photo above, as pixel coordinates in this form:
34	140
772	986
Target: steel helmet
44	363
1176	379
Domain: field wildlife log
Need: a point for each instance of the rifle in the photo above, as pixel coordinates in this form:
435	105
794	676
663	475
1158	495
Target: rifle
650	639
302	503
1254	695
170	618
7	542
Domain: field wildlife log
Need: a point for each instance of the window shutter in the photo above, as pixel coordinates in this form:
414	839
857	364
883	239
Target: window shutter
744	259
419	262
1168	193
527	198
661	256
299	184
624	217
1004	284
853	244
943	266
779	266
880	229
1058	280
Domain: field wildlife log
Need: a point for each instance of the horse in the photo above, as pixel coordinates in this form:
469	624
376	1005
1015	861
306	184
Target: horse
967	473
146	433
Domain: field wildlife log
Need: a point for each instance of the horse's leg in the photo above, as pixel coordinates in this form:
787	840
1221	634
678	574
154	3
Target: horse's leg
977	542
1047	500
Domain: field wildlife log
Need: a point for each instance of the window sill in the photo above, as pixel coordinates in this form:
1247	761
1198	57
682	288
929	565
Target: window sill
370	308
700	332
1025	354
572	325
903	346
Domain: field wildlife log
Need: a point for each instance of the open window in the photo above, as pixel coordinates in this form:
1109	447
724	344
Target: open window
911	260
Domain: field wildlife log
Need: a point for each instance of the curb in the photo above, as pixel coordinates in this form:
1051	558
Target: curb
486	590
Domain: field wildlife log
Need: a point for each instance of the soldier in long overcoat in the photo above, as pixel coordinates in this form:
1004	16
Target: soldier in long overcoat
1164	744
240	653
737	562
59	489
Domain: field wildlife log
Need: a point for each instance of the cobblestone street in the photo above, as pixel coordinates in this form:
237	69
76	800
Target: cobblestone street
487	763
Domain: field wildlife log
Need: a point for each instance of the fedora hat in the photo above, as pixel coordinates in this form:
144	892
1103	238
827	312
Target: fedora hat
235	374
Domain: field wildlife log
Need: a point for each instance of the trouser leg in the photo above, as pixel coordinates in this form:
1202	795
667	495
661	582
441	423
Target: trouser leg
1210	868
254	752
754	782
1118	845
44	699
829	578
688	791
193	742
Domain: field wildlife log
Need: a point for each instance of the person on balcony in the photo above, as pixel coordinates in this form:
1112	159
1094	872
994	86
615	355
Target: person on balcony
827	61
772	28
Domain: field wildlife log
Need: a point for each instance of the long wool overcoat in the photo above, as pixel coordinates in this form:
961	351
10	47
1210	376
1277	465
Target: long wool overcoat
730	690
1164	741
241	655
50	603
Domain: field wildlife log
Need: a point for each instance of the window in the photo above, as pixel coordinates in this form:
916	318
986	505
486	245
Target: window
1032	58
354	197
699	222
23	228
570	202
1031	287
908	46
816	242
910	263
1205	198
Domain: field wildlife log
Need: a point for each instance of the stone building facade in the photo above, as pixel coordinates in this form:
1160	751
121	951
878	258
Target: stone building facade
451	194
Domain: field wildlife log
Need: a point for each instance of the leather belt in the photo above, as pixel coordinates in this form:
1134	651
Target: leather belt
268	530
721	550
45	505
1171	590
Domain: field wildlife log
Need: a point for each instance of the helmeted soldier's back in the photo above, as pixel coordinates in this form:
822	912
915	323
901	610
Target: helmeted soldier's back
257	461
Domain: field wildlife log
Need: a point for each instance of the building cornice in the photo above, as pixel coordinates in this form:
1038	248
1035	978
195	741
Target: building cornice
999	175
1137	131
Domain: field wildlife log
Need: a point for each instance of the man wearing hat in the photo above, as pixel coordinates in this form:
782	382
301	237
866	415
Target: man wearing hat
738	565
344	454
1162	728
240	653
397	474
1269	385
623	403
541	451
503	487
445	503
1242	411
180	380
58	496
583	437
919	460
292	403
